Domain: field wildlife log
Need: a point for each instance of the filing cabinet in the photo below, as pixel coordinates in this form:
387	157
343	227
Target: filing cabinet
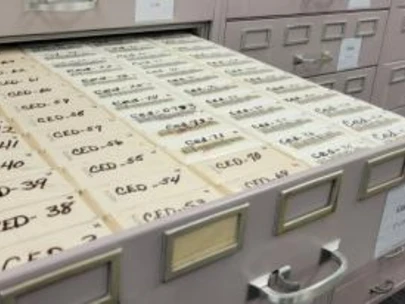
311	45
198	230
357	83
261	8
389	88
30	17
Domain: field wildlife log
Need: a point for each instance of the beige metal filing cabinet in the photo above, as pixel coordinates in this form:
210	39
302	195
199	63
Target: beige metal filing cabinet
309	45
268	188
390	82
311	38
261	8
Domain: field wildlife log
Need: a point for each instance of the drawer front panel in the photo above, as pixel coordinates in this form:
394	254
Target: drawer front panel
142	272
257	8
18	19
309	46
389	88
357	83
394	42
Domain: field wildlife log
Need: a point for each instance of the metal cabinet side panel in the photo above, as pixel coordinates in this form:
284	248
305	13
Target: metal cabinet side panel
15	20
400	111
341	82
389	88
261	8
394	41
311	42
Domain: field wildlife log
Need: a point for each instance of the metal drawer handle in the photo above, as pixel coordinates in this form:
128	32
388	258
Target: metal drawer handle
324	58
60	5
395	253
384	288
260	288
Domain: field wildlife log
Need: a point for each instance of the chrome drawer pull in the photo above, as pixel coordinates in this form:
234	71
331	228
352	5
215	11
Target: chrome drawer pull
61	5
325	57
384	288
395	253
260	288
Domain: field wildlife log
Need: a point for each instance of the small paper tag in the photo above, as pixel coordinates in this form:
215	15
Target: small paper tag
356	4
349	53
392	228
154	10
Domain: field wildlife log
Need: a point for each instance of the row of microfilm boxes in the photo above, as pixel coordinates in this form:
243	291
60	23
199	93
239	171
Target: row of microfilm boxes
107	134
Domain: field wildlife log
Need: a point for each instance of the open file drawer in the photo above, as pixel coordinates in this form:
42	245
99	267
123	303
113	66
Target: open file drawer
130	266
32	17
234	240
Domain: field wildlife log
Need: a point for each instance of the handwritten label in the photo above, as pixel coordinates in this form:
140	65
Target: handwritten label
339	148
262	178
390	134
232	99
142	189
371	120
6	128
128	103
9	143
51	244
103	170
33	187
228	167
154	10
14	165
165	208
392	227
28	92
123	90
346	108
25	222
349	53
93	70
164	113
209	89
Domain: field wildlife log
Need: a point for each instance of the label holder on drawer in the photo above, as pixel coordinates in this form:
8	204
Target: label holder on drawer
284	225
112	259
305	39
361	33
366	190
397	75
218	249
244	46
357	89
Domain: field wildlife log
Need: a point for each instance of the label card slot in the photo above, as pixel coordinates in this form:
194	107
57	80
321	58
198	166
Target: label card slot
100	274
308	202
202	242
382	173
